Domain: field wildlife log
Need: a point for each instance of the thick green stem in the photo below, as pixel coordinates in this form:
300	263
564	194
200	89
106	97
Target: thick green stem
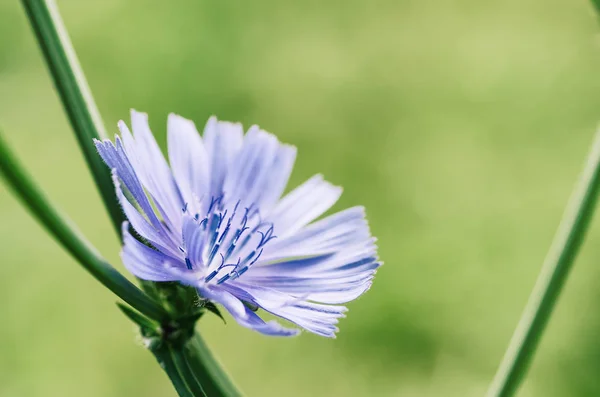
551	279
187	373
74	93
214	380
166	359
45	212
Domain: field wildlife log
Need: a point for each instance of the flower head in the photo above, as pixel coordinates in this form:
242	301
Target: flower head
213	218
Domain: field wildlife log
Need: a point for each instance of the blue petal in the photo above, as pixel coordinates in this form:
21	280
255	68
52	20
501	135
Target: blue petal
304	285
340	296
332	282
225	298
154	232
242	314
331	261
278	176
152	168
316	318
303	204
188	158
341	264
144	262
337	232
244	178
193	240
115	157
223	142
260	171
271	328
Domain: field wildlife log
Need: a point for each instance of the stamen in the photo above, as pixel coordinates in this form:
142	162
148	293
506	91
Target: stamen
212	254
224	278
214	228
211	276
266	237
234	265
229	251
246	239
242	271
255	259
221	217
250	255
203	223
217	227
224	234
213	202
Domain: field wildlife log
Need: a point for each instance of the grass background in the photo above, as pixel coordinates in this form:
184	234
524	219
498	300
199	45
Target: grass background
460	125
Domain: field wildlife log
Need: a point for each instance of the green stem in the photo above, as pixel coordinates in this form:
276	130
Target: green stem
86	122
180	372
165	356
596	4
551	279
42	209
187	373
214	380
74	93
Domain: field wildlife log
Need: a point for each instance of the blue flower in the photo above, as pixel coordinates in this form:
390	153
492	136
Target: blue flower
214	219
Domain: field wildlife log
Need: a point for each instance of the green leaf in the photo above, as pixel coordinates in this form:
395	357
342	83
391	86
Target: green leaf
211	307
149	328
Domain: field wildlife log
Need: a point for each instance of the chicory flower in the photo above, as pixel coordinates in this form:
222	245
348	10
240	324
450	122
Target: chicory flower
213	218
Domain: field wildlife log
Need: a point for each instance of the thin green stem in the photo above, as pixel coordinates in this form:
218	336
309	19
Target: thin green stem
74	93
207	368
552	277
62	229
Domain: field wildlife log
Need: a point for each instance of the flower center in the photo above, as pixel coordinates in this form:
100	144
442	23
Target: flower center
227	241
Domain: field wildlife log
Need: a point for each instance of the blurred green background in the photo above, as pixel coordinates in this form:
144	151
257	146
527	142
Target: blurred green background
460	125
